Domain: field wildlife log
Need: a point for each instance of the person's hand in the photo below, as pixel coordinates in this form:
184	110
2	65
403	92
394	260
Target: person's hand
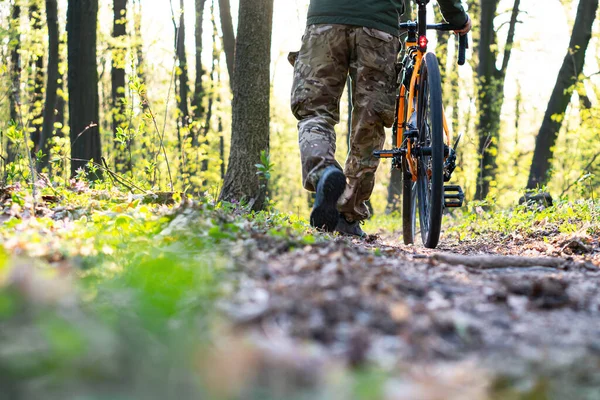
465	29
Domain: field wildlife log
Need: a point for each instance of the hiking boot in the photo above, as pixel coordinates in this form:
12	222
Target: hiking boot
347	228
325	215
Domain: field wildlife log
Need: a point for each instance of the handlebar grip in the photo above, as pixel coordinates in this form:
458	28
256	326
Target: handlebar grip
463	43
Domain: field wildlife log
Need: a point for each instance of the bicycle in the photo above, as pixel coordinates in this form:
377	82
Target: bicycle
425	154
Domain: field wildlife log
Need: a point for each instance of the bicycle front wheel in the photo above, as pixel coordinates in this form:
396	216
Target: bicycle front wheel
430	151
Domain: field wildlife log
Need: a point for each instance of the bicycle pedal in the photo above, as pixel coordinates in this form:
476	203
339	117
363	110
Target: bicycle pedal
387	153
453	196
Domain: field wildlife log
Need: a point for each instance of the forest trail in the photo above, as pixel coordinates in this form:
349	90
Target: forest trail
381	302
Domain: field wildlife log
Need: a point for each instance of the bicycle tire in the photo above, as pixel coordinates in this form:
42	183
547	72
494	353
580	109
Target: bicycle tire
408	206
430	167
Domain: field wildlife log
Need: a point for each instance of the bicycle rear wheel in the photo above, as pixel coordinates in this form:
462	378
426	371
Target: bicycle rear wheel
409	197
430	151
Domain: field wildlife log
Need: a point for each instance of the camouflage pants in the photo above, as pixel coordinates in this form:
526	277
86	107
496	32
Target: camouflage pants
328	54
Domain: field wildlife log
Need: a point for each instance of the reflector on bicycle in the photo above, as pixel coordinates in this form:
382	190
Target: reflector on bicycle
423	43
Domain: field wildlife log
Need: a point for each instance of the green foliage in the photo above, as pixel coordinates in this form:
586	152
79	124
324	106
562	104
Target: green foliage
265	167
581	216
129	288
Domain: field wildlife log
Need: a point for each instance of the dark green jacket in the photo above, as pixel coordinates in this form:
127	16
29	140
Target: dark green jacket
378	14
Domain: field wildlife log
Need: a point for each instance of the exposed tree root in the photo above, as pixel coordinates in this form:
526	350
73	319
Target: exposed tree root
491	262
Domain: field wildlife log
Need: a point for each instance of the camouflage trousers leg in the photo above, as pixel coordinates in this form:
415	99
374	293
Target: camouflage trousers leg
328	54
319	78
373	74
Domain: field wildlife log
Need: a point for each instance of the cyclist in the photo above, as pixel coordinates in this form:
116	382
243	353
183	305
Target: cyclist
359	38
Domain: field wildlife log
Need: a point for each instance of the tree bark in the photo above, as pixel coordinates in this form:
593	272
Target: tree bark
15	75
37	65
82	20
228	38
183	76
491	91
61	99
250	108
198	87
567	78
117	77
51	83
211	96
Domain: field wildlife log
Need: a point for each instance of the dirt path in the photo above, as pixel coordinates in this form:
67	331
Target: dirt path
393	305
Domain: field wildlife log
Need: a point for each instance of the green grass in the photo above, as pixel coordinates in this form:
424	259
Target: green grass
564	217
112	297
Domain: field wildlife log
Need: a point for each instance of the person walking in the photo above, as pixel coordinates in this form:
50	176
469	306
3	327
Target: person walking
360	39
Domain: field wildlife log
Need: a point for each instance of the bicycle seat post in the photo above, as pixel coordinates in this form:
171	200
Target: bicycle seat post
422	23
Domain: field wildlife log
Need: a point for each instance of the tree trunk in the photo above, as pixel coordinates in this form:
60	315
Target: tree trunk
183	76
228	38
214	77
561	95
37	65
250	108
82	19
15	76
139	50
199	93
491	91
52	83
222	148
487	96
61	99
198	88
117	77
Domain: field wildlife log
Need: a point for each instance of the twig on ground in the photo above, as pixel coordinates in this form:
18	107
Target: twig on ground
120	179
114	181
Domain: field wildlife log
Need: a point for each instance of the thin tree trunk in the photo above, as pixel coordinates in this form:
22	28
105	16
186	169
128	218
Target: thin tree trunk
198	87
561	95
491	91
52	83
37	65
182	91
228	38
211	97
222	148
139	50
117	77
61	95
250	108
15	76
183	76
83	84
518	100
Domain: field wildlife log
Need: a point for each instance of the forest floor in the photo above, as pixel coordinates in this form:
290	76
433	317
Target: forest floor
109	295
474	326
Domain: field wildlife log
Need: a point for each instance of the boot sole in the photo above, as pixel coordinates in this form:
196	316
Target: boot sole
325	214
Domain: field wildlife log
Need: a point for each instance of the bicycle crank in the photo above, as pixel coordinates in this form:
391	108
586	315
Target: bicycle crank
453	196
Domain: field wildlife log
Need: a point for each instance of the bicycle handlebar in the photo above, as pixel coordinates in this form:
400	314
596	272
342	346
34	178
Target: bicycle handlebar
463	42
